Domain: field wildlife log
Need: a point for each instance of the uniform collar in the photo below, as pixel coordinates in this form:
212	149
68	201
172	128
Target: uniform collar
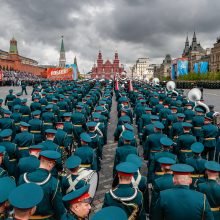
182	186
124	185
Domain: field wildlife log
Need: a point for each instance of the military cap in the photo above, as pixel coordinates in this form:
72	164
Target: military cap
1	100
51	131
50	154
133	158
78	195
54	99
49	106
182	169
178	102
166	160
26	196
126	168
79	106
43	93
102	102
59	123
99	108
207	118
96	115
17	107
62	96
199	110
85	137
7	112
24	124
124	99
129	127
213	166
166	141
154	117
37	112
2	150
91	124
124	110
7	184
10	90
158	125
186	125
24	100
72	162
18	94
36	97
173	107
197	147
109	213
6	133
147	109
188	104
36	147
127	135
67	114
125	118
180	115
143	101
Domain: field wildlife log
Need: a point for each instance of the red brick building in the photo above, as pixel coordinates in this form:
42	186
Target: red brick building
13	61
106	70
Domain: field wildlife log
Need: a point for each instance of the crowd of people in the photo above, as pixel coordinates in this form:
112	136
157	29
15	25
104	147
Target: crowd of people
14	78
51	146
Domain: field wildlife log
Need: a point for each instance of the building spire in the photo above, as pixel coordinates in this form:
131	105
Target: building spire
62	45
62	60
194	37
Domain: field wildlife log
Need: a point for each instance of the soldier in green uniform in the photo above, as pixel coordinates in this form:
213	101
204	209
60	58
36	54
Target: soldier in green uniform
23	87
48	118
109	213
184	143
189	113
36	126
51	207
25	110
9	99
123	151
79	204
163	182
6	122
71	181
194	204
17	117
11	150
1	109
198	163
30	163
86	153
176	128
24	140
198	122
35	105
24	199
7	184
211	188
3	172
125	196
208	137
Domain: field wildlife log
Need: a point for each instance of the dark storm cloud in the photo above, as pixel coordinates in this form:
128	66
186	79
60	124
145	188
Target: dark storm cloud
133	27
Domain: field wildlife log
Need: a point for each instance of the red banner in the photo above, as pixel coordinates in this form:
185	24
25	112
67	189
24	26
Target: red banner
1	75
60	73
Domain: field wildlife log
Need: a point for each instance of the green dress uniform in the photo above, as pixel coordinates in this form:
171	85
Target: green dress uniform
51	206
48	118
211	188
9	99
23	141
25	111
194	205
17	117
11	150
23	88
71	135
189	113
176	128
36	105
197	122
7	122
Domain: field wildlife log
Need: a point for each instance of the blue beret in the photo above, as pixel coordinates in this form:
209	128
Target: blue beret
26	196
6	133
91	124
51	131
182	168
166	160
213	166
50	154
7	184
73	162
24	124
135	159
37	112
127	167
76	193
197	147
85	137
109	213
166	141
158	125
127	135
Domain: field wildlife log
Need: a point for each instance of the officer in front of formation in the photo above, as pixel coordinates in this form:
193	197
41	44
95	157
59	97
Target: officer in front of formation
194	205
9	99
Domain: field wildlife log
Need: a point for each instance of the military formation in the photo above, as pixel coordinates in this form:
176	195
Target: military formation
51	153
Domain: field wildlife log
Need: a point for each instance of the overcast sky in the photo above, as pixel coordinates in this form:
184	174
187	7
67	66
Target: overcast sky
135	28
